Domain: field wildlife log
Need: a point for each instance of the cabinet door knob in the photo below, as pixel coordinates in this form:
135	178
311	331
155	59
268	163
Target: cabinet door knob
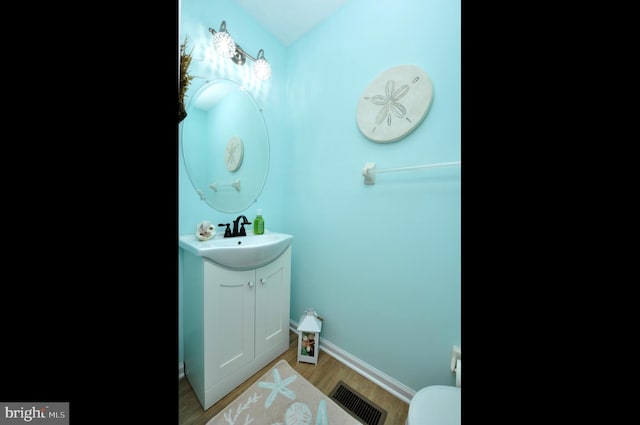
263	280
250	283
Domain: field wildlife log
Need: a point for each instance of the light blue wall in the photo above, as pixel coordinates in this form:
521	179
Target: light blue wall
381	263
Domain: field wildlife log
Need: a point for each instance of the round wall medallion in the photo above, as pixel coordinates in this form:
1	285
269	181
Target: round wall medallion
394	103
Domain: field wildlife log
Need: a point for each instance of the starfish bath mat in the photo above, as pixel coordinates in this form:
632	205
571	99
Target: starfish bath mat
283	397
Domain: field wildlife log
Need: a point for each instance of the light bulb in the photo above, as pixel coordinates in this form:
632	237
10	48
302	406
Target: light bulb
262	69
224	44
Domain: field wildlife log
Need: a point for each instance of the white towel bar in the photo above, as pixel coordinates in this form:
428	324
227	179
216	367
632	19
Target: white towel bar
369	170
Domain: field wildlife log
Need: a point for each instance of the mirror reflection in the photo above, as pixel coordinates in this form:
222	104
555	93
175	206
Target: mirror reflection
225	146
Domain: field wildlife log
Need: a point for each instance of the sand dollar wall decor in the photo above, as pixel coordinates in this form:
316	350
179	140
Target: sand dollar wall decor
394	103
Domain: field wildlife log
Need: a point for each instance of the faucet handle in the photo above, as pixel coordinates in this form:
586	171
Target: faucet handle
243	232
227	231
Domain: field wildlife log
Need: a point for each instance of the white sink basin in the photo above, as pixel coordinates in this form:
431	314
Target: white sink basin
242	252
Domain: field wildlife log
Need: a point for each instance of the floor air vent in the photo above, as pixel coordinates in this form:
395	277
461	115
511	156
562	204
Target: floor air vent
358	406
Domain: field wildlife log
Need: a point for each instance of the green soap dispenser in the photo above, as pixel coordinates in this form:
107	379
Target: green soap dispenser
258	224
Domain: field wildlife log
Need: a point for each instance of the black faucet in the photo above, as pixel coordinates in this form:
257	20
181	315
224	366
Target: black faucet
242	231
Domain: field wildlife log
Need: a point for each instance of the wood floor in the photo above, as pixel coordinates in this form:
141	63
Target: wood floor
325	376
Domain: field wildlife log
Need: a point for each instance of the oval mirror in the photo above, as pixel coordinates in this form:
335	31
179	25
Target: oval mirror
225	146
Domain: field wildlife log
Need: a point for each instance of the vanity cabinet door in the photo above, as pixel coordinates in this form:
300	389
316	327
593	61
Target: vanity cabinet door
229	314
273	283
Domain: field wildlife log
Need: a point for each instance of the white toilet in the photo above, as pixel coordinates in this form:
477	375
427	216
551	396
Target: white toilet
435	405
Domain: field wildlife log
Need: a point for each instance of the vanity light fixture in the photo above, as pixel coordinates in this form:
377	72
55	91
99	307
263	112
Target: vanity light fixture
226	47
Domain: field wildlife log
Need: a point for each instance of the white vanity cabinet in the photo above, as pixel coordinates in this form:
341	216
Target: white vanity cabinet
235	322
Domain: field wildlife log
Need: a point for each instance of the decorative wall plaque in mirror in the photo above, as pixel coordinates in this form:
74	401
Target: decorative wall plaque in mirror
234	153
225	146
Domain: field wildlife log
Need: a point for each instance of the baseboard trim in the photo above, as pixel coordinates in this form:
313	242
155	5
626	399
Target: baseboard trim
180	370
376	376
